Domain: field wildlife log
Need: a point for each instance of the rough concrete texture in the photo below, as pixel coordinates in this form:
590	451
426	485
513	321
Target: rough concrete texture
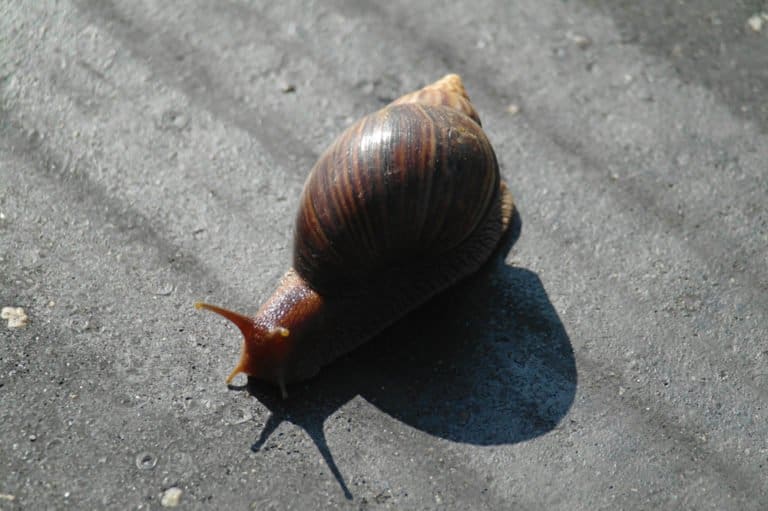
152	154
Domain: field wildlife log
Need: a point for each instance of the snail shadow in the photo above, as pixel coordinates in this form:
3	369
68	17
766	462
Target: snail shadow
487	362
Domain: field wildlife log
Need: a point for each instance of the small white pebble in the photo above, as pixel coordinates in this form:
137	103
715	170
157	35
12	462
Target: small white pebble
580	40
16	317
513	109
756	21
171	497
7	496
180	121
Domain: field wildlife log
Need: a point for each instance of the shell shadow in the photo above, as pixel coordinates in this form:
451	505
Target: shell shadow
487	362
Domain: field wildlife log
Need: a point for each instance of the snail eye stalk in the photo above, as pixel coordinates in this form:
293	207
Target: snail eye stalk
244	323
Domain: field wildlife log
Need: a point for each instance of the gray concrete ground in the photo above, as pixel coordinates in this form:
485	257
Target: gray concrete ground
152	154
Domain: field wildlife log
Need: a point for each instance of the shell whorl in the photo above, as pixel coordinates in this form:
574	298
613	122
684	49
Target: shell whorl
400	186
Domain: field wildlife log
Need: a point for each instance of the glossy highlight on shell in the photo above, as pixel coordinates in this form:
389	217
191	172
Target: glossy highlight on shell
403	204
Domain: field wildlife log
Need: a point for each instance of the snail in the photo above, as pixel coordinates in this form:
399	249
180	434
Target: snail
405	202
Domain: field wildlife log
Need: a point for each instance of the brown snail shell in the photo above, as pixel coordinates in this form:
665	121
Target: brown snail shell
406	202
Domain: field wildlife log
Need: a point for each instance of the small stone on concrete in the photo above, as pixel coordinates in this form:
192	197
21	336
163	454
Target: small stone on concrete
171	497
757	21
15	316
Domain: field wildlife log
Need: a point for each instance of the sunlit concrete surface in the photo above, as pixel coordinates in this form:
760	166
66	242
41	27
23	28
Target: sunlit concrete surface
152	154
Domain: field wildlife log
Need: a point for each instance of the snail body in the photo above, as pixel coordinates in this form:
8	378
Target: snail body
406	202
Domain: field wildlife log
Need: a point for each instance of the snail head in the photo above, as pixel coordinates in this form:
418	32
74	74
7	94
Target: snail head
264	349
